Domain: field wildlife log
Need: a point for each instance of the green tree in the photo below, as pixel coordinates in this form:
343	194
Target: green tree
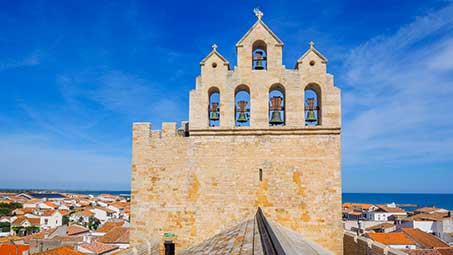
65	220
93	223
5	226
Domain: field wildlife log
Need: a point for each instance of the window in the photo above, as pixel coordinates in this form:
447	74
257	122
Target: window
214	107
312	105
277	105
259	55
242	106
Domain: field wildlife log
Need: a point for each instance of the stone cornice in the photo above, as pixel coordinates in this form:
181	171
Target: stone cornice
215	131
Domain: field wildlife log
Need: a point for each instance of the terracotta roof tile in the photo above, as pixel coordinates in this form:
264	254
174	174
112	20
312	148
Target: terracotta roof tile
64	250
390	209
51	204
357	205
10	249
20	220
116	235
76	229
391	238
423	239
39	235
379	226
427	217
99	248
109	225
78	239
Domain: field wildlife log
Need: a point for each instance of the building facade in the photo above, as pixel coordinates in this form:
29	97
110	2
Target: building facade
258	135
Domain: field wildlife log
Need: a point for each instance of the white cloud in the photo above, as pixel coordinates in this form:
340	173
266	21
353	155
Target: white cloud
398	100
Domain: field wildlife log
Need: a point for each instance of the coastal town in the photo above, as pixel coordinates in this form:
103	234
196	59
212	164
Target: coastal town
65	223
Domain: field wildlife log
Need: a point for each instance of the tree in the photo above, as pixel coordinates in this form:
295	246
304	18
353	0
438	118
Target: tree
7	208
65	220
93	223
5	226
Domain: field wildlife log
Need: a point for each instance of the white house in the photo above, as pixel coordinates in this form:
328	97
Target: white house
102	213
50	219
444	229
383	212
81	216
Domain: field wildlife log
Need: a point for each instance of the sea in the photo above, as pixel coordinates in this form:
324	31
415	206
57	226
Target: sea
418	200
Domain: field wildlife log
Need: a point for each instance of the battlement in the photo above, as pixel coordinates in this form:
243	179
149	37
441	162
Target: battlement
169	129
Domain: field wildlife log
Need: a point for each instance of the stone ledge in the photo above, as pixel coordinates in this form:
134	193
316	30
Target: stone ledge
265	131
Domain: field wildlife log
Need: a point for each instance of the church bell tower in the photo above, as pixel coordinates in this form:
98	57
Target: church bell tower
259	135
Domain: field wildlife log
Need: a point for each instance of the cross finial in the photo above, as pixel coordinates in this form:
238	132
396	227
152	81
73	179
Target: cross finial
312	44
214	47
258	13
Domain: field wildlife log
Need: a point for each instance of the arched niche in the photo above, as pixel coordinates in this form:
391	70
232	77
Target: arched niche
242	106
214	107
259	55
313	105
277	101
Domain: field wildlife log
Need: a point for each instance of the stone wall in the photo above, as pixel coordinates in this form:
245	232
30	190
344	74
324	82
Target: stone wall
200	185
354	245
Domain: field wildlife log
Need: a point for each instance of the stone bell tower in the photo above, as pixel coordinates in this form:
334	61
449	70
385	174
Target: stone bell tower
259	135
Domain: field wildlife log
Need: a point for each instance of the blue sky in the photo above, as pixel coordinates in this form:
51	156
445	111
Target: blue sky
75	75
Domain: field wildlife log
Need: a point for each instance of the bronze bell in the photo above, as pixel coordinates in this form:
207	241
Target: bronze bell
276	118
214	115
259	60
242	117
311	117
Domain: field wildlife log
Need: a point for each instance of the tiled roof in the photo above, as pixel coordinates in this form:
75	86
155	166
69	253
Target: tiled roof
109	225
395	238
99	248
14	249
116	235
426	217
357	205
76	229
20	220
429	210
39	235
48	212
104	209
435	251
390	209
379	226
85	213
64	250
423	239
120	205
48	203
78	239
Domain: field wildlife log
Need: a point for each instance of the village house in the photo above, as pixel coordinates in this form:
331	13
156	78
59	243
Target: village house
395	240
423	240
383	212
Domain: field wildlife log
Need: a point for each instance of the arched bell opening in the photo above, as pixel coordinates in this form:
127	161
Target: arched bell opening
259	55
242	106
277	100
312	105
214	107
